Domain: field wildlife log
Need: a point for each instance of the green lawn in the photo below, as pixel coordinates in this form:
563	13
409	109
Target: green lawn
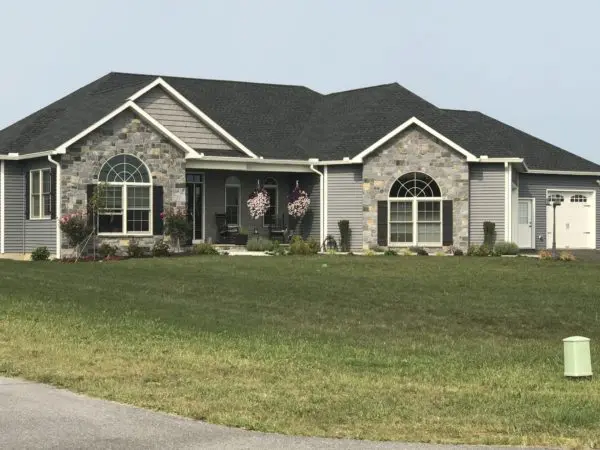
403	348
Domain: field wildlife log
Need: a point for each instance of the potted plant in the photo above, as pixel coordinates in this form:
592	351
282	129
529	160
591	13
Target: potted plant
242	237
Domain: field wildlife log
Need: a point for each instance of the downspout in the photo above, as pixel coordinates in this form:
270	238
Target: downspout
508	203
2	163
321	203
326	204
57	206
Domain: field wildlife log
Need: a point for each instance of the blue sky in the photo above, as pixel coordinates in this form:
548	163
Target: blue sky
534	64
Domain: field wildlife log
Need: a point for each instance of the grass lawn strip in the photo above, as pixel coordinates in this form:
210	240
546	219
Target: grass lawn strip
456	350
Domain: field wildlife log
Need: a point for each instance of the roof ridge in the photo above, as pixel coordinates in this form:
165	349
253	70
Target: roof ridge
164	77
364	88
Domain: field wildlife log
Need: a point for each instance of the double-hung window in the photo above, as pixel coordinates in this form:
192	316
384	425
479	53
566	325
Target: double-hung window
232	200
270	217
125	205
40	198
415	211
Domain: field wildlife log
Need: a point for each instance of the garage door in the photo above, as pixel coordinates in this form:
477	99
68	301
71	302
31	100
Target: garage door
575	219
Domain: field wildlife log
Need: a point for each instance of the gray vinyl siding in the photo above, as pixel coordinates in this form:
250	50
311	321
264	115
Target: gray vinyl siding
180	121
344	201
14	207
310	226
534	186
486	200
21	234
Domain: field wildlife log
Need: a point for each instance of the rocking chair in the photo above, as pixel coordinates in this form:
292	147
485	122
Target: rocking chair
227	232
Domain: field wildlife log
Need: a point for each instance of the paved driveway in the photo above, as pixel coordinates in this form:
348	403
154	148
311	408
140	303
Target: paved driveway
36	416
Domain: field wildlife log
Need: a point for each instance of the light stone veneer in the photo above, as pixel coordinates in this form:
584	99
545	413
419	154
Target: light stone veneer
126	133
415	150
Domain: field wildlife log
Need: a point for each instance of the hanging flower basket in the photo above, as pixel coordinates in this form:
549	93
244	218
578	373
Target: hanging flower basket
258	203
298	202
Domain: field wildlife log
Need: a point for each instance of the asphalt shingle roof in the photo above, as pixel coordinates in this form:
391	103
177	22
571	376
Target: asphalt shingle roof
290	122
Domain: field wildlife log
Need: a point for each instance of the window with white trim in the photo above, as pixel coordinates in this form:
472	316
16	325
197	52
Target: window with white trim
40	198
126	204
270	217
556	198
578	198
415	211
233	191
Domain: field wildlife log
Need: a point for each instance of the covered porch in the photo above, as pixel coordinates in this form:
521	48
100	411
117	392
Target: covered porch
217	209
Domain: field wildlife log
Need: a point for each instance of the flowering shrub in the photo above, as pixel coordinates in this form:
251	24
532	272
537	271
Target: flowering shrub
176	223
298	202
75	226
258	203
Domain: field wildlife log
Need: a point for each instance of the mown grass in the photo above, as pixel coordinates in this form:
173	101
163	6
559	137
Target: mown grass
408	348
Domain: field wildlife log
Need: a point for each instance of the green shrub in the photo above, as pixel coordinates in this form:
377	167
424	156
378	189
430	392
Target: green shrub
160	248
506	248
204	248
390	252
300	247
489	234
40	254
422	252
259	244
106	250
278	249
415	249
377	249
457	252
479	250
135	250
407	252
344	226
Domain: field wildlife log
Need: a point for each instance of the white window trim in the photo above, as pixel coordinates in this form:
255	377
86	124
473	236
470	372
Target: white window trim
237	185
276	187
38	172
415	223
124	186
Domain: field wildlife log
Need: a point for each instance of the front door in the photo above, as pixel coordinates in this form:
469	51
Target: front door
195	199
525	226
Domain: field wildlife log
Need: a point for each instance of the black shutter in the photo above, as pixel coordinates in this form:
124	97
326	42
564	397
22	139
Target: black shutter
27	205
382	223
157	209
90	193
53	182
447	219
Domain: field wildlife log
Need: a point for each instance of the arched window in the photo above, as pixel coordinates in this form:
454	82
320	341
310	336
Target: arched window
126	203
578	198
556	198
415	211
233	189
270	217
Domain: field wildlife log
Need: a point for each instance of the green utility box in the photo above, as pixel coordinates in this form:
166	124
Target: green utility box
578	362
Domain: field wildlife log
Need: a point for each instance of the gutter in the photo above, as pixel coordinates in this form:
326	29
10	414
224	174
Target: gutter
57	206
321	205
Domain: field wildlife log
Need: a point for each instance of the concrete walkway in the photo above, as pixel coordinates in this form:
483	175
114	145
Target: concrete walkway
36	416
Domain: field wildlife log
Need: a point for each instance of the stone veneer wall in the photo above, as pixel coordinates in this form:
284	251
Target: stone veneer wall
126	133
415	150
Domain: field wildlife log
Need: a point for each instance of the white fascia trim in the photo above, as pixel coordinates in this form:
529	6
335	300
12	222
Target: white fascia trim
564	172
196	111
414	121
57	206
127	105
246	165
2	214
485	159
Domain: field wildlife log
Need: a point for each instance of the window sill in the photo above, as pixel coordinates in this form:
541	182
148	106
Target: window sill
41	218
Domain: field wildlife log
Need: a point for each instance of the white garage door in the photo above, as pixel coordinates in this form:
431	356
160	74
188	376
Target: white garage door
575	219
